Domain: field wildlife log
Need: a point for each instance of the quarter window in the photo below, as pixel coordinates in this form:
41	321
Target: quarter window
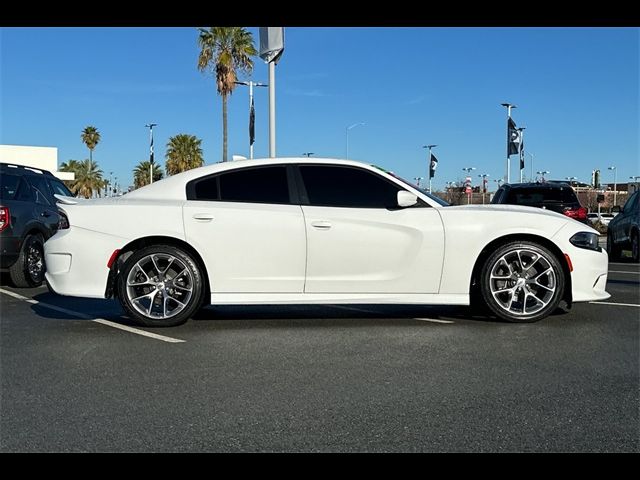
336	186
40	189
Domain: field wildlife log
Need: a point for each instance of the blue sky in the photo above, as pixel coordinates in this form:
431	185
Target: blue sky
577	91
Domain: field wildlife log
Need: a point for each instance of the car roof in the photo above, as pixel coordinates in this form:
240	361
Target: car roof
24	169
538	185
173	186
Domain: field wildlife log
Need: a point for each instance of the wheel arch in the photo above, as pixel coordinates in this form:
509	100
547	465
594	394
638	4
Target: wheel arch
494	244
143	242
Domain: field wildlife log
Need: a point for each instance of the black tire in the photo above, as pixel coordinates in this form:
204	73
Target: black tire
28	271
142	301
613	251
507	287
635	247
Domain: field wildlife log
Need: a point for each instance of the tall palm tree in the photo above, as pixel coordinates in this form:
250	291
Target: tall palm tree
225	50
88	179
184	152
91	137
141	173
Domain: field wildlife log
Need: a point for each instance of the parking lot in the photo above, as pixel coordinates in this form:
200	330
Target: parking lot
78	376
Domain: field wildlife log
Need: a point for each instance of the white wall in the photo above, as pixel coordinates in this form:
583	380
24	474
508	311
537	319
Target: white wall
45	158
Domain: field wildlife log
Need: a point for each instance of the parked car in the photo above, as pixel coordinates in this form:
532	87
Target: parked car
605	218
557	197
593	218
624	230
316	231
28	217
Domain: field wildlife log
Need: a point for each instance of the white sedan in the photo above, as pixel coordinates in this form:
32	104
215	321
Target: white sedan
316	231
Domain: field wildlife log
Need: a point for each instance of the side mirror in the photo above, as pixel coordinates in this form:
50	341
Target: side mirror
406	199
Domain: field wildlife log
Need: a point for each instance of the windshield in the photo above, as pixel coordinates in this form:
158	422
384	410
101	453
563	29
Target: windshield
438	200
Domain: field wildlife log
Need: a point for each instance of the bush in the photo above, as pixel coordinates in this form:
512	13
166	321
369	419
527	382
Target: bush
600	227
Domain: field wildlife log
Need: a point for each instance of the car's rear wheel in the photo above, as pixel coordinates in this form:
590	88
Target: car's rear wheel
160	286
28	271
613	251
522	282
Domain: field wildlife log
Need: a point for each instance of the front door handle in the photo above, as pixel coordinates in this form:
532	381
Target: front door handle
321	225
203	217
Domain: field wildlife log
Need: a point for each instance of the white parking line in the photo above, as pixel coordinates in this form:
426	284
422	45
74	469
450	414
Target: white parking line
101	321
618	304
433	320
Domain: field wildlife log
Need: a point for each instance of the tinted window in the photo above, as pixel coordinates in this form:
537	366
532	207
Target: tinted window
9	186
59	188
252	185
207	189
537	196
498	196
40	189
633	202
347	187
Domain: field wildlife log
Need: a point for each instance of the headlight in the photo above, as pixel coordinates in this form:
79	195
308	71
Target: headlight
586	240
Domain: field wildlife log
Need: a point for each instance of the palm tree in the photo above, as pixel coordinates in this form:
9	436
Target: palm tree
183	153
91	137
141	173
71	166
224	50
88	179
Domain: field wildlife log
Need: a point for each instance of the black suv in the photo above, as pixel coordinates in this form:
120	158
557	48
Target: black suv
624	230
28	217
558	197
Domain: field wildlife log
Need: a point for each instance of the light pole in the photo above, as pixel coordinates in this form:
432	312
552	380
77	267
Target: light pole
251	84
484	184
417	179
468	185
615	184
542	173
521	154
307	154
429	162
347	137
531	155
509	107
150	127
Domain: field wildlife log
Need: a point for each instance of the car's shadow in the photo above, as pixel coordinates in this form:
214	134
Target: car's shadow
276	315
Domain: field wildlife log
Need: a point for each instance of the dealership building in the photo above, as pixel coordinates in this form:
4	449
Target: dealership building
43	158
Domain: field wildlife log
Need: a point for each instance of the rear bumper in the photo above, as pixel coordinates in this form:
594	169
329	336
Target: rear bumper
77	261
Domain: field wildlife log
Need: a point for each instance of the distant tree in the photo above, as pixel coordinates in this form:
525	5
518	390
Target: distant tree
183	153
88	179
91	137
141	173
225	50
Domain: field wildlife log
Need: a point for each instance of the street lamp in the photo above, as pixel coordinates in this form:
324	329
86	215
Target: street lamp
150	127
615	185
251	84
509	107
417	179
542	173
429	162
308	154
484	184
347	137
635	178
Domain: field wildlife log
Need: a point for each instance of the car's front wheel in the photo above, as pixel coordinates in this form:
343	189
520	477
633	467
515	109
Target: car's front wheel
28	271
160	286
522	282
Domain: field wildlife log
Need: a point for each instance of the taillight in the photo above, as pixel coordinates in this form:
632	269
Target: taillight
63	222
577	213
5	218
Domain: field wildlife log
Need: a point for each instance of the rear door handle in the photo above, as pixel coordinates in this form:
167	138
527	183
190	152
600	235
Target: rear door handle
321	225
203	217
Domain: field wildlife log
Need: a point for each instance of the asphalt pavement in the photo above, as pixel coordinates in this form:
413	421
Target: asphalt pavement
78	376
